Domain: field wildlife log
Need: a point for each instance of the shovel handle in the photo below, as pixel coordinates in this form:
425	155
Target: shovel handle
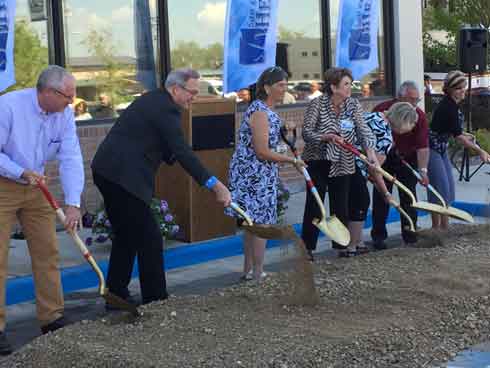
309	182
428	186
78	241
403	213
235	207
386	175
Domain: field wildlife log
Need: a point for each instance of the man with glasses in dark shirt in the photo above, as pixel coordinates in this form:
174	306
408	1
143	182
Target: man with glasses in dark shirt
146	134
413	147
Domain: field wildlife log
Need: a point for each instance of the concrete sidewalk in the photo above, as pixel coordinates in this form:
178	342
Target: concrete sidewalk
195	279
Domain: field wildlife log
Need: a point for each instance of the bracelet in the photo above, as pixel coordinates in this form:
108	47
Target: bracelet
211	182
295	161
387	194
423	169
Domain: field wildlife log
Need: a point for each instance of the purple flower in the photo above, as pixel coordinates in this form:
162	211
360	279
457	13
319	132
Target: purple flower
101	238
169	218
107	223
175	229
89	241
163	206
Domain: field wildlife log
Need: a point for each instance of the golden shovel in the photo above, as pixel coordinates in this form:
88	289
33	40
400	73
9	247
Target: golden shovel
424	206
263	231
330	226
450	211
399	209
103	291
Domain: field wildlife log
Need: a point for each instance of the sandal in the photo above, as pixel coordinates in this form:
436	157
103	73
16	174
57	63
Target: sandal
247	277
362	249
347	253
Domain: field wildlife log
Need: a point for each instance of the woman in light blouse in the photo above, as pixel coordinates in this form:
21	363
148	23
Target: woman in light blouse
333	117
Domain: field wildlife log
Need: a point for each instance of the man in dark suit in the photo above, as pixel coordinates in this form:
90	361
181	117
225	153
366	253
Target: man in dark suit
146	134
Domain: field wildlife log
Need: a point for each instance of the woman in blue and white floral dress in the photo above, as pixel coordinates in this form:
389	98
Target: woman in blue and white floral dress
254	173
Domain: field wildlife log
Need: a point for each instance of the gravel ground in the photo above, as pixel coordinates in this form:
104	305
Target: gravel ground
403	307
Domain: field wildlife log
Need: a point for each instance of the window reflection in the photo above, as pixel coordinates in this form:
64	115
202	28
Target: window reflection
31	43
299	49
112	50
374	83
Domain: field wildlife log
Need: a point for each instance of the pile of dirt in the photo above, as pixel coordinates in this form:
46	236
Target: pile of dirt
404	307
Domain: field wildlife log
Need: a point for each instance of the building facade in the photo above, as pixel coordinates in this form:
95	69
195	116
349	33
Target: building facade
117	49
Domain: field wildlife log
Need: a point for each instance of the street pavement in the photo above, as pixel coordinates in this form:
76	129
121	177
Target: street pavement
200	278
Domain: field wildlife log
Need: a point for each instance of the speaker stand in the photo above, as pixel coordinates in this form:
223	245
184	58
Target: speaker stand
464	170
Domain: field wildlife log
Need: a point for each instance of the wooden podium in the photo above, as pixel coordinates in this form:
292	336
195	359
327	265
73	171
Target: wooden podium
209	128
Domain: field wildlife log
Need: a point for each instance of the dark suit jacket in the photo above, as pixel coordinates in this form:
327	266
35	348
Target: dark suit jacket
146	134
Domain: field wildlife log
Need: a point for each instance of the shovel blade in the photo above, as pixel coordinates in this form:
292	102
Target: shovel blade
271	231
459	214
430	207
449	211
334	229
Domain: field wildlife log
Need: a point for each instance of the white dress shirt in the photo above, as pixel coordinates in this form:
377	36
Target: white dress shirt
29	137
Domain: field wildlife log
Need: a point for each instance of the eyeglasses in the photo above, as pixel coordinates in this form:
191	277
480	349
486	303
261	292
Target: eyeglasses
193	92
70	98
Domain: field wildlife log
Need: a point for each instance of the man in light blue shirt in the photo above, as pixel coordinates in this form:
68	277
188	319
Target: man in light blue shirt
37	125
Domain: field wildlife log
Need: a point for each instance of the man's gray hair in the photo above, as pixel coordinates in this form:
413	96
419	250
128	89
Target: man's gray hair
53	77
405	86
180	77
402	114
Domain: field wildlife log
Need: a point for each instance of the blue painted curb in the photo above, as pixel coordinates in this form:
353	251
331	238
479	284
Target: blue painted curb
21	289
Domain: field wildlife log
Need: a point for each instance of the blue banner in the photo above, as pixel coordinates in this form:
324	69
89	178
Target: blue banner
145	55
357	36
250	41
7	22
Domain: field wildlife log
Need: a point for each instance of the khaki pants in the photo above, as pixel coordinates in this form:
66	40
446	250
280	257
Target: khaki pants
38	221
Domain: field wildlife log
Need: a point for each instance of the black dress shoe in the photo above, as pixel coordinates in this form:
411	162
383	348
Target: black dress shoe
53	326
115	308
379	245
309	255
5	348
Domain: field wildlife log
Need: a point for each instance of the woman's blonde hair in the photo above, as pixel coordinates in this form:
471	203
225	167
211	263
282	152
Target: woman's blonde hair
402	115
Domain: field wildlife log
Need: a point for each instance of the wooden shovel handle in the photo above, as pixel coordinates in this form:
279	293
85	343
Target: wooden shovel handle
235	207
386	175
428	186
78	241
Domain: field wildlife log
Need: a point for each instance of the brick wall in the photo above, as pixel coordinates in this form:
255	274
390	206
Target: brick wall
91	135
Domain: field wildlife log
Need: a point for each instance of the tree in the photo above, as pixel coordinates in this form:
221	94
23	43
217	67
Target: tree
30	57
450	16
287	34
112	80
190	54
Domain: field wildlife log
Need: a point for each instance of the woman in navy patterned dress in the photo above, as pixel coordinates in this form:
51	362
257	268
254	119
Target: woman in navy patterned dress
254	173
400	118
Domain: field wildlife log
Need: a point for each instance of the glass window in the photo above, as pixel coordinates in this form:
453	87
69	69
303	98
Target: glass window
300	35
374	83
196	33
31	43
112	50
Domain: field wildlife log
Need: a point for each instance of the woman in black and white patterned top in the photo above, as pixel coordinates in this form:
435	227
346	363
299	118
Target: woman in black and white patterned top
334	116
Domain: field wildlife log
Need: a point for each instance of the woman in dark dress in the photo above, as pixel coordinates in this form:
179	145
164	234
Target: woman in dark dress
448	121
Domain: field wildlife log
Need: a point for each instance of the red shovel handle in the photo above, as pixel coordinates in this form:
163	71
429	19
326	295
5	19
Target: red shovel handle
48	195
349	147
